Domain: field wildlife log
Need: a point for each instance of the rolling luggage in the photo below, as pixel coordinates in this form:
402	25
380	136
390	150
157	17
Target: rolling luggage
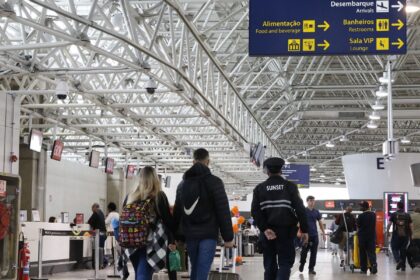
249	250
225	275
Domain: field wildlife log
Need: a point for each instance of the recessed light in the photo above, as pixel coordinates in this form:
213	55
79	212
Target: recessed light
322	176
344	138
313	169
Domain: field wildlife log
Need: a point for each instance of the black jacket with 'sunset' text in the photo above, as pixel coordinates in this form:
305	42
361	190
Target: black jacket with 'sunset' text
277	204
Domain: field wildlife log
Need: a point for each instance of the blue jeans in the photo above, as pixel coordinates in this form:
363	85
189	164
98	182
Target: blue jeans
142	268
201	253
279	254
399	249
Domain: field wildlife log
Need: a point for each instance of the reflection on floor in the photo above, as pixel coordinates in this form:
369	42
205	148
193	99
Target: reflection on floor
327	268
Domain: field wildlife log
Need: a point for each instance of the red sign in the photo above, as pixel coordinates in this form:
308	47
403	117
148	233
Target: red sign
3	188
329	204
80	219
130	171
57	150
109	166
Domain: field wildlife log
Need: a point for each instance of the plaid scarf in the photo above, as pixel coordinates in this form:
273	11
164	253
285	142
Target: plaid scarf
155	250
157	246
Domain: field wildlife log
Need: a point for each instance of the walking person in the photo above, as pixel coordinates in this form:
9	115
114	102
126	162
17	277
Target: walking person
334	247
314	217
366	231
413	253
152	205
401	232
347	224
277	209
202	210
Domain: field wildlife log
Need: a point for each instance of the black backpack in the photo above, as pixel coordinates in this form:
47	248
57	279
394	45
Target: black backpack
196	201
401	224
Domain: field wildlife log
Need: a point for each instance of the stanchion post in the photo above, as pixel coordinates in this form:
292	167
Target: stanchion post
115	246
96	256
40	246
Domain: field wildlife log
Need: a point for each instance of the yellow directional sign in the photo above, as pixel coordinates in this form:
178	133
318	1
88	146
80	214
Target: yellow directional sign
293	45
382	44
399	24
309	26
308	45
382	24
325	25
399	43
325	45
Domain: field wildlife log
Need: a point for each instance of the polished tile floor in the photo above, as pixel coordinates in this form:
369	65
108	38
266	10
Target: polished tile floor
327	268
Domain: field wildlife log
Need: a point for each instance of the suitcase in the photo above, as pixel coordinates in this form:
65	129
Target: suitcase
249	250
224	275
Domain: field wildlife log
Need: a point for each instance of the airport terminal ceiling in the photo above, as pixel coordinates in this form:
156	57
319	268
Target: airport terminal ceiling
209	93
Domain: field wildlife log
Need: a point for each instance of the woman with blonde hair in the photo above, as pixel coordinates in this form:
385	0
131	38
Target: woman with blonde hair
149	193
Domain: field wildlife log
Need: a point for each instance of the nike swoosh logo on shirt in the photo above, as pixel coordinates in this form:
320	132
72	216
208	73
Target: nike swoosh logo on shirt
189	211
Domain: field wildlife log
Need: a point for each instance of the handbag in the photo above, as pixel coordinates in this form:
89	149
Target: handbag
336	236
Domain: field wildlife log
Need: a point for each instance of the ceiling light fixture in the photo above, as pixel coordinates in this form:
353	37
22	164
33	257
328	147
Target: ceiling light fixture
405	140
344	138
412	7
330	144
117	20
322	176
372	125
385	79
313	169
381	92
374	116
377	106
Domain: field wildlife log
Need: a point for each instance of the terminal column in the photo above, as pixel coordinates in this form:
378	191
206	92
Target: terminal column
9	132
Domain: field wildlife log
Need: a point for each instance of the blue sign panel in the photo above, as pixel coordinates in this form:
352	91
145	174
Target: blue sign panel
297	173
327	27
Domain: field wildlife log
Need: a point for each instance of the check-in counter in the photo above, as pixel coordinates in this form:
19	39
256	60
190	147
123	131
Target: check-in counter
58	251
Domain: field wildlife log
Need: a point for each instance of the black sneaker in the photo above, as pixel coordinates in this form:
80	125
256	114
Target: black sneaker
403	269
312	272
398	266
342	263
374	269
301	267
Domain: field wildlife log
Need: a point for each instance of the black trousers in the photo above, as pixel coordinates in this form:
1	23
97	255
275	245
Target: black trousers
313	248
171	274
399	249
279	254
367	252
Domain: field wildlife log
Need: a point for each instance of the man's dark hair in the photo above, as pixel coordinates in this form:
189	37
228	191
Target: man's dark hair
310	197
112	206
201	154
400	205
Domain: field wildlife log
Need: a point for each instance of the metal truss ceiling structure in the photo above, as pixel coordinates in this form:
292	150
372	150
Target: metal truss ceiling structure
209	94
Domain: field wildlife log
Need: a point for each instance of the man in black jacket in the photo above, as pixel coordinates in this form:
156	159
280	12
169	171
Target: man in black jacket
277	208
97	221
366	230
202	210
401	232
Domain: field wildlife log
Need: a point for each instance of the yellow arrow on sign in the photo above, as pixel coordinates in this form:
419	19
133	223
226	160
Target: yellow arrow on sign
326	45
398	24
399	43
326	26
